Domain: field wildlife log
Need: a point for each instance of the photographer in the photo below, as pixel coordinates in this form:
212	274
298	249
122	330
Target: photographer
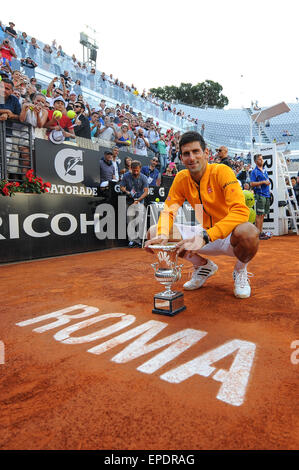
28	66
141	144
53	92
107	173
135	186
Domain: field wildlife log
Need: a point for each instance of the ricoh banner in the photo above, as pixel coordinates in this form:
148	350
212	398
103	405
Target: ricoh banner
273	221
41	225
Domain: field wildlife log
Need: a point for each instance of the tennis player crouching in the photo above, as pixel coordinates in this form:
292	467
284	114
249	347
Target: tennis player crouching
225	228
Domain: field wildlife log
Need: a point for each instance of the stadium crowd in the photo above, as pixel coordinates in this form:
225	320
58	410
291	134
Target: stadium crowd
23	52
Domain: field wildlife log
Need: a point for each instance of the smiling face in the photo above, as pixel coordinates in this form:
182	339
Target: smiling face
194	158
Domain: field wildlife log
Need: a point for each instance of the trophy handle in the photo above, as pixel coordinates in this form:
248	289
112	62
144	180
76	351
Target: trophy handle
178	271
154	265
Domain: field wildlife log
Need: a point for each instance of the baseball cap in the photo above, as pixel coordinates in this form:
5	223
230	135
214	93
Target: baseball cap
59	98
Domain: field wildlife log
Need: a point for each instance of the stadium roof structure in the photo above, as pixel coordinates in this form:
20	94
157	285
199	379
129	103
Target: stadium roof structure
271	112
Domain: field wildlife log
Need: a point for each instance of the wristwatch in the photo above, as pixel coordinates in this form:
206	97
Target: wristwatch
206	237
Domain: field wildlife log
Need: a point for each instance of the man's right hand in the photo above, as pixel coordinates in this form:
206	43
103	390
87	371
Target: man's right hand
160	240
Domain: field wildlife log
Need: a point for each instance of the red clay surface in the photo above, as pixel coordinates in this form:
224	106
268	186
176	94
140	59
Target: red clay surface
59	396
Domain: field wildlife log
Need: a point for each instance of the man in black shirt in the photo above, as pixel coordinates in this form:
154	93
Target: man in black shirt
222	154
10	30
81	129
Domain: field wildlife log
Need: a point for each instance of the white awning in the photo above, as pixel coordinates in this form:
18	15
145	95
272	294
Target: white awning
271	112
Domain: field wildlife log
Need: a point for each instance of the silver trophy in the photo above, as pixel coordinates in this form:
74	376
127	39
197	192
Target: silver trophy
167	271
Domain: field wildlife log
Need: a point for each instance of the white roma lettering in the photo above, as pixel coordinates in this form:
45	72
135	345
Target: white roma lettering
64	335
183	340
61	317
234	381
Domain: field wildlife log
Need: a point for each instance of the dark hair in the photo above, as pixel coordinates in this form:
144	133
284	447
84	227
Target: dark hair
125	161
81	104
108	152
6	80
255	157
192	136
135	164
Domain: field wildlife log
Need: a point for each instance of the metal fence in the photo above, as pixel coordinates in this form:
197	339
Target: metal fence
16	148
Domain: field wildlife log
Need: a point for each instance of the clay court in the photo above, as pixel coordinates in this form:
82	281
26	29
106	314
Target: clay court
57	395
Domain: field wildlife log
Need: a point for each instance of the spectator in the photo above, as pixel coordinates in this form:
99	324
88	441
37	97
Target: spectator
222	153
62	54
162	148
173	150
153	138
127	166
106	131
260	183
22	43
29	65
82	127
141	143
94	125
35	113
67	79
10	109
63	123
77	87
47	56
53	92
33	46
247	187
151	172
116	162
72	98
171	170
296	189
107	172
135	186
122	138
7	52
2	32
10	30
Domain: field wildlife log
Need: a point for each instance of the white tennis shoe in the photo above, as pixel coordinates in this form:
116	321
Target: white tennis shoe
200	275
242	289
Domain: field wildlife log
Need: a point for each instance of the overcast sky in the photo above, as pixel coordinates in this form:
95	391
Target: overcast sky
250	47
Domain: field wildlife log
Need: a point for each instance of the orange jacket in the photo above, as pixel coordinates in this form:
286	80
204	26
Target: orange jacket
220	194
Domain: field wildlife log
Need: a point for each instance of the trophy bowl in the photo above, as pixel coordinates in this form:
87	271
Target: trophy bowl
167	271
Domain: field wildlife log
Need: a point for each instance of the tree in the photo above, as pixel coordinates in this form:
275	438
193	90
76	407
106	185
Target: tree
207	93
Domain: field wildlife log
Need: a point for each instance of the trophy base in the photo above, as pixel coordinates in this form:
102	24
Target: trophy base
169	305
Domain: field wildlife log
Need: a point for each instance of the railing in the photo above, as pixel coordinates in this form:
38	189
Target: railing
16	144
